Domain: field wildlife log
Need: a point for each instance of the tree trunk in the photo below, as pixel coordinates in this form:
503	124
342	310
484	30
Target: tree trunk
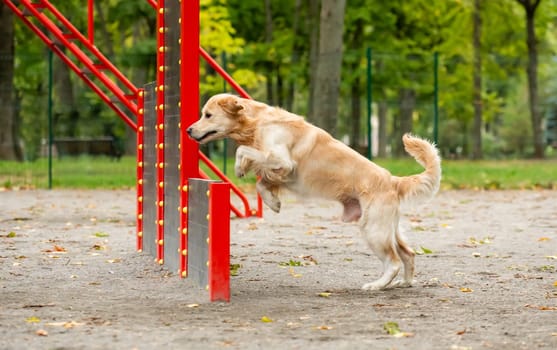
382	109
327	87
9	144
407	100
313	23
530	7
477	128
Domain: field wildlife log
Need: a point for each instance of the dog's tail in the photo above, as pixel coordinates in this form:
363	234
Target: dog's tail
423	186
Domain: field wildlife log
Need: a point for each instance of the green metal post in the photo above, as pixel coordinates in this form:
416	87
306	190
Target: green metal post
369	102
436	97
225	142
50	133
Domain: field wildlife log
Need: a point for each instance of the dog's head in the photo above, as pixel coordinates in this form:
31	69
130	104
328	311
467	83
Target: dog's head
219	117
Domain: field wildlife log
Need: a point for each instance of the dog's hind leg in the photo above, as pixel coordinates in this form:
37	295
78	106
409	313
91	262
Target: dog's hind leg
269	194
407	255
378	225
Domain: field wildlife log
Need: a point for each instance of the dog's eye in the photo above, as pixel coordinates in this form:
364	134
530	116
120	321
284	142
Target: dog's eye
208	115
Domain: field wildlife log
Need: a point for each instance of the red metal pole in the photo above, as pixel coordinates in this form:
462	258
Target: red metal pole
91	21
219	241
189	113
140	145
160	109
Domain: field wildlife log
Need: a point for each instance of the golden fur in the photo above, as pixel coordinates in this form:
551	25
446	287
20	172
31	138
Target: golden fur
285	151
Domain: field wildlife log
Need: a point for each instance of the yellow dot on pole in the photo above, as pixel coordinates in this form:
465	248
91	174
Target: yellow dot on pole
140	216
161	126
140	199
208	217
161	261
160	242
161	87
184	274
162	49
161	10
140	250
185	188
161	165
161	184
161	107
160	222
141	111
161	145
185	210
140	181
185	231
208	263
161	204
140	146
161	68
184	252
140	129
140	234
141	93
208	193
140	164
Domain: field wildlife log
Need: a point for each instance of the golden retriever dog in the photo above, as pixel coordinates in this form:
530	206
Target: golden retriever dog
286	152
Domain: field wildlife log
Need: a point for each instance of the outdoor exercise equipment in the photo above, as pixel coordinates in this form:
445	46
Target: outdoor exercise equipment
183	222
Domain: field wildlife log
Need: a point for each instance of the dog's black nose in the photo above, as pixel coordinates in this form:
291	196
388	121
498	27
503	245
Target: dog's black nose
189	131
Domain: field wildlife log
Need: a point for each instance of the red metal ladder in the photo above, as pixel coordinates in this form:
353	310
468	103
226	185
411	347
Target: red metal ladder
96	70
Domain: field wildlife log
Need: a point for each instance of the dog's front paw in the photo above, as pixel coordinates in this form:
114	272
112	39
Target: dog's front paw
239	172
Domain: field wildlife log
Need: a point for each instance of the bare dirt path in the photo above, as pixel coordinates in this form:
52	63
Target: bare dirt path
70	278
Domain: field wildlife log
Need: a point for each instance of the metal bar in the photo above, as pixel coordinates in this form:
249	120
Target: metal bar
234	188
140	163
235	210
71	64
159	108
88	45
369	104
50	126
436	97
223	73
189	110
91	22
219	241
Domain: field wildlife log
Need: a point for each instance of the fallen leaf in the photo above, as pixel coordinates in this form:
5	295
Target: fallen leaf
266	319
544	239
551	257
555	284
191	306
252	226
33	319
461	332
391	328
324	328
58	248
324	294
67	325
114	261
466	290
41	333
542	308
293	273
234	269
11	234
100	234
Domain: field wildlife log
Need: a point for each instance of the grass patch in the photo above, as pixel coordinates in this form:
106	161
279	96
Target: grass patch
101	172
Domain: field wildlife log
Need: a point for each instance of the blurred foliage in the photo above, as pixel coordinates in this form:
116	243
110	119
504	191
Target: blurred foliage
404	34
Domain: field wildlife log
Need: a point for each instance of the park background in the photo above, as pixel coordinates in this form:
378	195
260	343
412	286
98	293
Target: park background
476	76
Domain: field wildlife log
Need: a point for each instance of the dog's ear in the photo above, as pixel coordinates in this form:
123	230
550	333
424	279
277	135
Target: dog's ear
231	105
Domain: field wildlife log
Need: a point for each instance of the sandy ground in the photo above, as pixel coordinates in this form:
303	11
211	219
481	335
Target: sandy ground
70	278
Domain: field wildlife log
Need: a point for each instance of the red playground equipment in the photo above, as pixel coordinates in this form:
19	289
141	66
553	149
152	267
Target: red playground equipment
181	221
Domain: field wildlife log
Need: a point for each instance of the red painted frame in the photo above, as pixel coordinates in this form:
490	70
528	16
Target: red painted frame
219	241
159	127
